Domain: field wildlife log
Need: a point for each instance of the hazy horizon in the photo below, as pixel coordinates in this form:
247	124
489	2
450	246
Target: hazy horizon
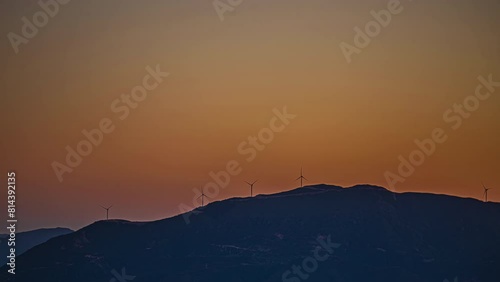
112	217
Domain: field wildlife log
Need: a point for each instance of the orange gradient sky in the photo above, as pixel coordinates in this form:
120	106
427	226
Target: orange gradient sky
353	120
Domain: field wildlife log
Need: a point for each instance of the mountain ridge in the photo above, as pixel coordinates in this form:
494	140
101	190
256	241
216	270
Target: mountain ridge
418	236
27	239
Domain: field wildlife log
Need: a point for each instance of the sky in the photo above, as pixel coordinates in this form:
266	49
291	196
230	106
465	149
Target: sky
232	71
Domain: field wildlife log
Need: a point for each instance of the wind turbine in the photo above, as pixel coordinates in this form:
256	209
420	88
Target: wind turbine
107	211
485	192
202	196
301	178
251	187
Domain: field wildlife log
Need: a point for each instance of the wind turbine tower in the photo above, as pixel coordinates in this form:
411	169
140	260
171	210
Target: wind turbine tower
107	211
251	187
301	178
485	192
202	196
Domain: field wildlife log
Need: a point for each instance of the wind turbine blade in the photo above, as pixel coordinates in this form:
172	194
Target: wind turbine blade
110	206
247	183
298	178
255	182
305	178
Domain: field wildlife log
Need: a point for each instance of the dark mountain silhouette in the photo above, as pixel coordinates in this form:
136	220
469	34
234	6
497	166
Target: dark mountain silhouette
375	236
28	239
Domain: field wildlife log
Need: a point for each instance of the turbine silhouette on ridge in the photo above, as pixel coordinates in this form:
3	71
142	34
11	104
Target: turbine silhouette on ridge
251	186
485	192
202	196
107	211
301	177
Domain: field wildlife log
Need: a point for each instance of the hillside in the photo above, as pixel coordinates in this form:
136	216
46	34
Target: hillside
29	239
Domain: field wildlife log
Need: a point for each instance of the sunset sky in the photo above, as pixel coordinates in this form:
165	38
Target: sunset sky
352	120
